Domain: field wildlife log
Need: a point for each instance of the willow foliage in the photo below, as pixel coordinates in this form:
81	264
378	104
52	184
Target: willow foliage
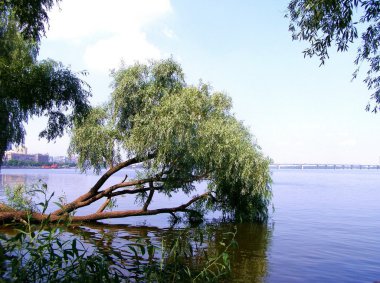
29	87
189	130
341	23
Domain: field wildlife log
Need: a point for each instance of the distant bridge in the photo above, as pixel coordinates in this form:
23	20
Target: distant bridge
323	166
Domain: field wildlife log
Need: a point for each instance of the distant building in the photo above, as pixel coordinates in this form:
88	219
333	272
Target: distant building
21	154
59	159
22	149
10	155
73	159
63	159
42	158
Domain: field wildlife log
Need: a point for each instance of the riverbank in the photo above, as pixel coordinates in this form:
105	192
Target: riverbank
34	167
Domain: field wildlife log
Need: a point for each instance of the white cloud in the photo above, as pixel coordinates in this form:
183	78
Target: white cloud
112	30
348	142
168	32
107	53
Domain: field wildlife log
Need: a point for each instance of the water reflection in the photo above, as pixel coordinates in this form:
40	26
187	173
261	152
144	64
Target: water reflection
250	259
12	180
249	262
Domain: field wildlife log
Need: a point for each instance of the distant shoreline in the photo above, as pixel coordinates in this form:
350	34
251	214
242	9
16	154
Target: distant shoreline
33	167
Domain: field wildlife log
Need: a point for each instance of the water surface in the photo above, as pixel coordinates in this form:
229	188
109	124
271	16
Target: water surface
325	227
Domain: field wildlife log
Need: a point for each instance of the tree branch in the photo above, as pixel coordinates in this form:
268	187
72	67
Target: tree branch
128	213
8	217
117	168
104	205
134	191
151	193
125	178
93	196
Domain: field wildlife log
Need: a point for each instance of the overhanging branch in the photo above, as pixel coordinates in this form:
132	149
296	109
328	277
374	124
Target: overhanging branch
89	198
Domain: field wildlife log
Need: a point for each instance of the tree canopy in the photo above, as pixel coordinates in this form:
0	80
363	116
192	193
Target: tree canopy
31	16
30	87
179	135
324	23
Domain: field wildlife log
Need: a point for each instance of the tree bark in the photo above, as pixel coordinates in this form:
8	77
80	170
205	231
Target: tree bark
91	197
19	216
104	205
96	193
94	190
151	193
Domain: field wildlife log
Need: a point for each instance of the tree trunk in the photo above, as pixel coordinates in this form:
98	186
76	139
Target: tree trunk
35	217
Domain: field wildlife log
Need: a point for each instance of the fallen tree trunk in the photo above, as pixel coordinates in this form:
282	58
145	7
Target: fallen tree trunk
146	186
7	217
93	194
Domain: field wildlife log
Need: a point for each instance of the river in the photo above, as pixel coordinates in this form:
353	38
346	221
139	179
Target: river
325	226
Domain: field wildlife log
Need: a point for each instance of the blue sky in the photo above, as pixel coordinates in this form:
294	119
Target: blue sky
298	111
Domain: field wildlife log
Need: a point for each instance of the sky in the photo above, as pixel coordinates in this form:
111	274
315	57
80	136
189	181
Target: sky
297	111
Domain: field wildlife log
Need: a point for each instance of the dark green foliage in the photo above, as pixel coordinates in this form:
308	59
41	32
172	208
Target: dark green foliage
50	254
29	87
46	256
242	207
31	15
324	23
184	259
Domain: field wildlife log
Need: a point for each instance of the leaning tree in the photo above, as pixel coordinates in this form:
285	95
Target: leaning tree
179	135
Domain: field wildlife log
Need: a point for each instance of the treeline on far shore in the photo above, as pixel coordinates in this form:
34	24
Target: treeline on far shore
32	164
